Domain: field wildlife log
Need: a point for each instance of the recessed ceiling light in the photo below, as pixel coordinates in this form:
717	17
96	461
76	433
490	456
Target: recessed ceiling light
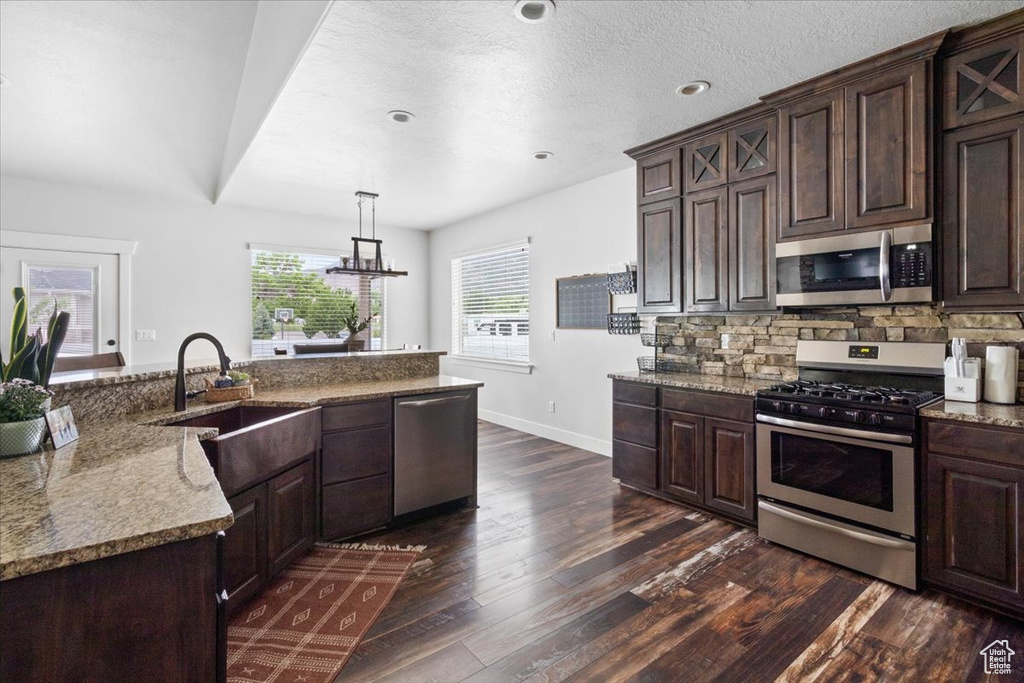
399	116
692	88
534	11
541	156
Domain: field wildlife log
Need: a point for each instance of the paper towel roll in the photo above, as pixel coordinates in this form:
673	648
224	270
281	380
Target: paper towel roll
1001	374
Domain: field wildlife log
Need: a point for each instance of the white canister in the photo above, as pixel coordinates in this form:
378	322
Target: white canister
1001	374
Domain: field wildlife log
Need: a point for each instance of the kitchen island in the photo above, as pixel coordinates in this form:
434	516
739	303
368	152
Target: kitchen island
121	527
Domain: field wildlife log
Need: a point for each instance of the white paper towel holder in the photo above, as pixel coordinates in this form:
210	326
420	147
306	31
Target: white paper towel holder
1001	367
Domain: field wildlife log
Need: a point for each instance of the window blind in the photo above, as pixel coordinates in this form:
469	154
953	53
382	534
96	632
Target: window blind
491	304
294	300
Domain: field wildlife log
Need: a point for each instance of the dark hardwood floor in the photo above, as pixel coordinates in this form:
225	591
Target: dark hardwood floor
561	574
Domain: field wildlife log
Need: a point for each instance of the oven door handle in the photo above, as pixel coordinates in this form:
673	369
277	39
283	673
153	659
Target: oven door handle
850	533
837	431
883	265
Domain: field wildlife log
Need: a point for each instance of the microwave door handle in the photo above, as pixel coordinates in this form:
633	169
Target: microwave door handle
883	265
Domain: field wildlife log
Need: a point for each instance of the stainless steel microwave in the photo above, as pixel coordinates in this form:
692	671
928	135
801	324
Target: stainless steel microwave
875	267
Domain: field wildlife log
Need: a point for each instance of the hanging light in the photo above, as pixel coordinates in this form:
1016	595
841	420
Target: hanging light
377	263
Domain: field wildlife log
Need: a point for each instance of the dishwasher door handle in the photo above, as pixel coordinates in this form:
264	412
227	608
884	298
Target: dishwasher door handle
433	401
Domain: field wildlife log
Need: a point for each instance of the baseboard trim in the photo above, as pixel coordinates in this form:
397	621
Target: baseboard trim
587	443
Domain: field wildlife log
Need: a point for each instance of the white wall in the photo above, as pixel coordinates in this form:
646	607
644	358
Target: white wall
191	268
577	230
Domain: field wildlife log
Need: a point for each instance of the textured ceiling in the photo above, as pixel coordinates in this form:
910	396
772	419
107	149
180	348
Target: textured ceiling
142	94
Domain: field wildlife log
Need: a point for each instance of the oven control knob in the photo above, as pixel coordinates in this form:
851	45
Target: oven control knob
777	406
851	415
794	408
823	412
874	419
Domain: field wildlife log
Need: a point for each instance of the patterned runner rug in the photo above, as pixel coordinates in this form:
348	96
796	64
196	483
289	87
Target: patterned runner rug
307	623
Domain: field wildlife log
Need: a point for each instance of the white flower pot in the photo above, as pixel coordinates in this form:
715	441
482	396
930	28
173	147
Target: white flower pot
18	438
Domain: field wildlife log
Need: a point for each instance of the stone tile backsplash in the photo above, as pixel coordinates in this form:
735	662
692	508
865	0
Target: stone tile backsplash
764	346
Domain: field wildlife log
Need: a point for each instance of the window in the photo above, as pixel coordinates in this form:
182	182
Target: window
295	300
491	304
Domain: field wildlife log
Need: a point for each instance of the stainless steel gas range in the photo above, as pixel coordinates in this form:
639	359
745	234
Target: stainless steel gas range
837	454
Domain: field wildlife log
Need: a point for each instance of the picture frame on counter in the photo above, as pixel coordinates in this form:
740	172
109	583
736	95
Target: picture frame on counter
62	426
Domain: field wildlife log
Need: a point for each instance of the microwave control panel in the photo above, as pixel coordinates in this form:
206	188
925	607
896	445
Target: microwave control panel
912	265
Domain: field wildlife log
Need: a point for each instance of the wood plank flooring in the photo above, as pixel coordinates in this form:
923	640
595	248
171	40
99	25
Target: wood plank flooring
561	574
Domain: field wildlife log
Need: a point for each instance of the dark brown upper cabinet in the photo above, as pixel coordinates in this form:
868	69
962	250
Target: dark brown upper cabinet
753	149
705	250
811	167
984	83
705	162
983	235
886	147
657	177
752	223
659	251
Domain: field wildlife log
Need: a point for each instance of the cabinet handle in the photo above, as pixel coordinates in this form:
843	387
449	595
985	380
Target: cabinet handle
222	596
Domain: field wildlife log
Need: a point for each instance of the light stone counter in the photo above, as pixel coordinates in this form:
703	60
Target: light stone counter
129	483
700	382
978	413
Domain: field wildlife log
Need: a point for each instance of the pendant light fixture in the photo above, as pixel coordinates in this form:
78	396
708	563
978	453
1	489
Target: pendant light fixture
376	265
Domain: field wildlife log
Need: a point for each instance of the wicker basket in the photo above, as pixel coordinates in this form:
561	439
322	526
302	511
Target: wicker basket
623	282
652	364
657	340
215	395
623	323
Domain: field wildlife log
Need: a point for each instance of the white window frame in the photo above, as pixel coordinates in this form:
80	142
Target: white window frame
493	363
123	249
320	251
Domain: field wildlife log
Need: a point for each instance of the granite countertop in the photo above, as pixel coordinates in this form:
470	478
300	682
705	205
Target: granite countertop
136	373
692	380
979	413
133	482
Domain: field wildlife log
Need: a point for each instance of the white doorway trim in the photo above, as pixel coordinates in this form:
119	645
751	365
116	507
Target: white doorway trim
123	249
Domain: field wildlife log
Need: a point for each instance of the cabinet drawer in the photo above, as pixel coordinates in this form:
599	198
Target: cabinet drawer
627	392
368	414
635	464
711	405
355	506
983	443
356	454
635	424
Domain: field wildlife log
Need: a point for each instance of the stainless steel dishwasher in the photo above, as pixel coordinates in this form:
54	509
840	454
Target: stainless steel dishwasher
435	450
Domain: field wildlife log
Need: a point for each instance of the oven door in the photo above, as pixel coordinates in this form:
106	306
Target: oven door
853	476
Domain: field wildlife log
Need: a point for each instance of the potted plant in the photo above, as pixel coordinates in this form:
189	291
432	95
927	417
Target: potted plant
354	324
23	406
25	398
240	379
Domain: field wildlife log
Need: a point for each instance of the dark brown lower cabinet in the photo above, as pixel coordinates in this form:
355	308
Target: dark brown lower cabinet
694	447
245	545
635	434
147	615
274	525
974	518
355	469
682	456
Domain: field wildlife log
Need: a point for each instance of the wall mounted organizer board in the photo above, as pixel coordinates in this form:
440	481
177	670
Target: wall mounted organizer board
582	302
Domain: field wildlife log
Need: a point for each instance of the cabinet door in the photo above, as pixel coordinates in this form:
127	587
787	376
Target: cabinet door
706	255
633	464
975	528
659	254
245	552
752	223
983	83
886	147
356	506
753	149
729	468
289	516
354	454
682	456
811	168
657	177
982	225
706	163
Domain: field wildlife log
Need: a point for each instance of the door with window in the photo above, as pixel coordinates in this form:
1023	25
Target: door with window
83	284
